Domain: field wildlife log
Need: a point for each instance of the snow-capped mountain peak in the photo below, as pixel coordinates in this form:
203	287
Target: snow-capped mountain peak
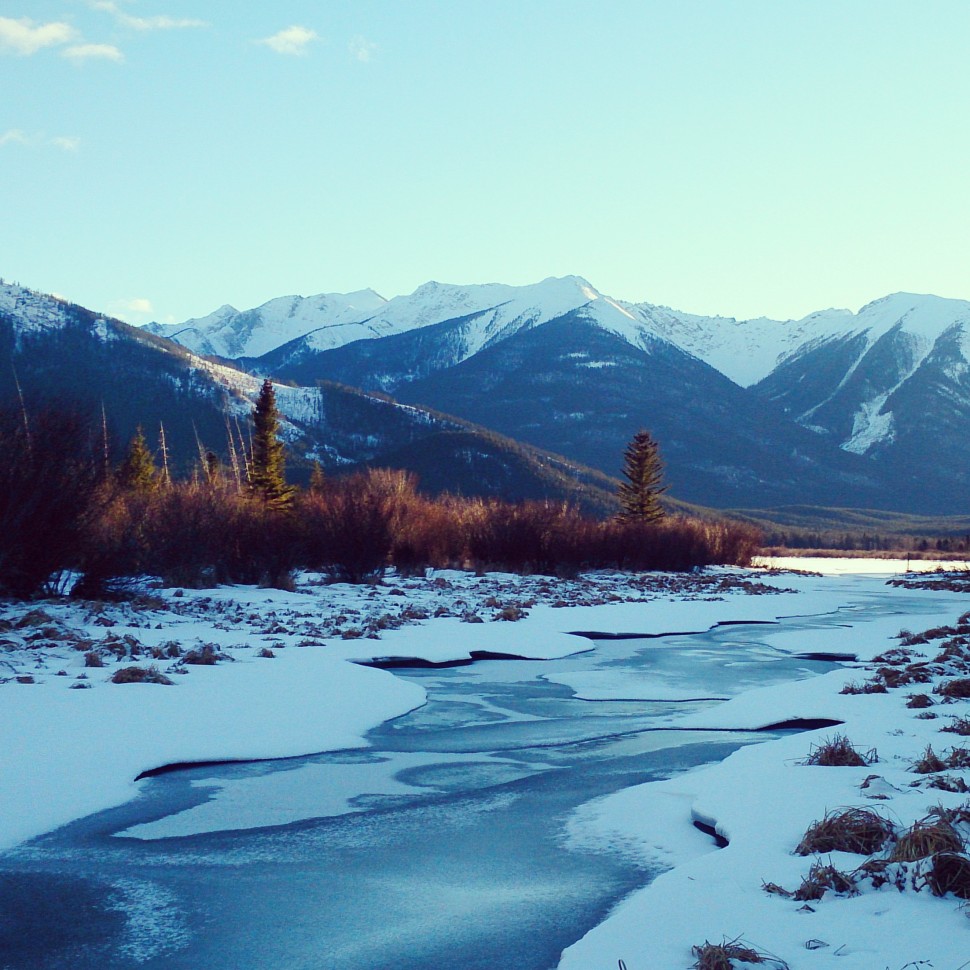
228	332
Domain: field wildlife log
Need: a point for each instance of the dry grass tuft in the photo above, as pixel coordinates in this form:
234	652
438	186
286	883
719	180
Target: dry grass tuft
916	702
721	956
949	872
954	689
858	830
955	816
139	675
928	762
958	758
821	878
959	725
950	783
881	872
894	656
868	687
917	673
926	838
838	752
205	656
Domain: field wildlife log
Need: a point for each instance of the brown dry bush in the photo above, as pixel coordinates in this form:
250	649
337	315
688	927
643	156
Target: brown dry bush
346	529
948	872
676	544
114	546
243	539
838	752
956	689
917	673
858	830
139	675
205	656
261	544
925	838
427	534
525	537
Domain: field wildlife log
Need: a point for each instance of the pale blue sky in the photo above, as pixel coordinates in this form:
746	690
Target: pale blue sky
161	157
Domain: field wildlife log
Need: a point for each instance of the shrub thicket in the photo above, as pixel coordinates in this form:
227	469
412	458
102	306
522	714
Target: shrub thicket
352	529
61	509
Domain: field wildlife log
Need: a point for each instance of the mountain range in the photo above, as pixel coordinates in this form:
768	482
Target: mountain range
867	409
864	410
55	352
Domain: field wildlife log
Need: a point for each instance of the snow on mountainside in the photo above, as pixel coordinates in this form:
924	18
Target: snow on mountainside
897	367
746	351
32	312
324	322
335	318
743	350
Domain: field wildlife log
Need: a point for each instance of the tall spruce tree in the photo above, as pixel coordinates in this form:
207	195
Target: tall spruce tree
137	470
268	460
643	470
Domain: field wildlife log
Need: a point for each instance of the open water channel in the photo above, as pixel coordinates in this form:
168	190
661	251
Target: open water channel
443	844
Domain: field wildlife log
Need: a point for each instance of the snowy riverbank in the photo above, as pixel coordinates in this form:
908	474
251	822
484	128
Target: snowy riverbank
68	752
763	799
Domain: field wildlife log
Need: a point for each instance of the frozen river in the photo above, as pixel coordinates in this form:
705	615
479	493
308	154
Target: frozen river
446	843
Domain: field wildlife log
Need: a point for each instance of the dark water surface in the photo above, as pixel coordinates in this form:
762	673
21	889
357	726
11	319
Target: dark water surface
441	845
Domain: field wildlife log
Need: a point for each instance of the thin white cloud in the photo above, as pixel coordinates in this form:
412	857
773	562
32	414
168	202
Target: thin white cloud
126	310
362	49
158	22
37	139
88	52
66	143
24	37
14	136
292	41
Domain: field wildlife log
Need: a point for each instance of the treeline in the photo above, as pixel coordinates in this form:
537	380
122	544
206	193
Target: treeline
65	509
862	541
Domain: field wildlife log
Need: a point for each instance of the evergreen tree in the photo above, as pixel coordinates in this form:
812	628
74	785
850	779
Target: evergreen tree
643	470
137	470
266	467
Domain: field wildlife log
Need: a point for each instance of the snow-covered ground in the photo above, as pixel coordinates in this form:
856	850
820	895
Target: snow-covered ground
72	742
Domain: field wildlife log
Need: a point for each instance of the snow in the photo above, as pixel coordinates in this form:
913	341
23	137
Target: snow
33	312
57	764
746	351
227	332
835	566
66	753
870	426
